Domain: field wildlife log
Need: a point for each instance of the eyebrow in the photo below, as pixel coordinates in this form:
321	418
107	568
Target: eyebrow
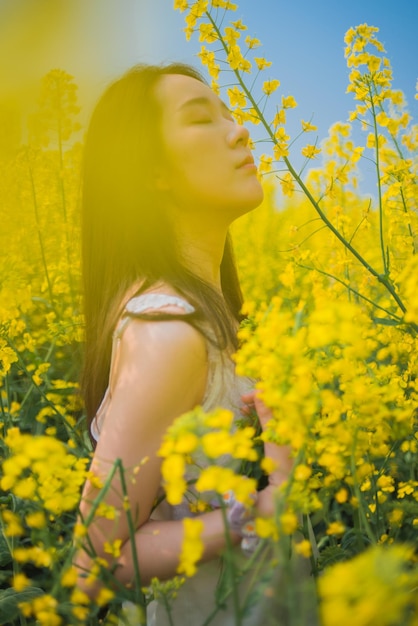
198	101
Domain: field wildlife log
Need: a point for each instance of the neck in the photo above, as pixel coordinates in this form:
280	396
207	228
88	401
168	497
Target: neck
201	245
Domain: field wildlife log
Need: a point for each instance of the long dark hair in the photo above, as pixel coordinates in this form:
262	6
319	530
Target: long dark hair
128	243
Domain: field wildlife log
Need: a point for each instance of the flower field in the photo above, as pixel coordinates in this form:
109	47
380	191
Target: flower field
330	278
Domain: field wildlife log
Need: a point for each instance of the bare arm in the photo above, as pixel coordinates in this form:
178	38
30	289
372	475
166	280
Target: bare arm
161	374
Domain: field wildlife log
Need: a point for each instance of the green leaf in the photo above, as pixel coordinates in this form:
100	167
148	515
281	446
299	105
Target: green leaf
5	556
10	600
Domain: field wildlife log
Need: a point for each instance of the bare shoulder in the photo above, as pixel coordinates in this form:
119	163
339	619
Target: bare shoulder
162	358
162	337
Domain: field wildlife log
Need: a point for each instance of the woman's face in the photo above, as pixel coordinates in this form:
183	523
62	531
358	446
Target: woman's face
207	161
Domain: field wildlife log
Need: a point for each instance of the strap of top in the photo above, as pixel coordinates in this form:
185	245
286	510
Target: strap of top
149	302
146	301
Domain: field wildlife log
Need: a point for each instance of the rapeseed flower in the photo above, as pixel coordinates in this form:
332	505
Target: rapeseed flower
192	546
376	587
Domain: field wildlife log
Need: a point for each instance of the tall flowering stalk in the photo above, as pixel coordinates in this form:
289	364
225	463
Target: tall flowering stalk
334	352
372	87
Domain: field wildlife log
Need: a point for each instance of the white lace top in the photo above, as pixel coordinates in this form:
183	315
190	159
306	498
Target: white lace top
223	388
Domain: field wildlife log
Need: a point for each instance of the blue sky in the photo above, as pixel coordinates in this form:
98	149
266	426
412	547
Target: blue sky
304	39
96	40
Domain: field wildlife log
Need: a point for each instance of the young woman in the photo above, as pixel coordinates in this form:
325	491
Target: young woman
166	171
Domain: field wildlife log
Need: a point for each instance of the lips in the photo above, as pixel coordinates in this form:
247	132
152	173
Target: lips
247	161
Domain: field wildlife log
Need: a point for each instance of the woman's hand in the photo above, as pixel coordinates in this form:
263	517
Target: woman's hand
280	455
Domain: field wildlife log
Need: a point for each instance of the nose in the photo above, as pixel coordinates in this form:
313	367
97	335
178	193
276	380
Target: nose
238	135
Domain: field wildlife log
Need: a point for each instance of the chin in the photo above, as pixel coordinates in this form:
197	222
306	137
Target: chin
248	205
254	199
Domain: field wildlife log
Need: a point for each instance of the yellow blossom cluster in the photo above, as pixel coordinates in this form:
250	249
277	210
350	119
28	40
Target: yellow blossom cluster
212	444
192	547
27	472
376	587
207	18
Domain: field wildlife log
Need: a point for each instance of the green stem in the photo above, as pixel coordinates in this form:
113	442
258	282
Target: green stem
168	610
405	209
38	226
362	515
139	596
307	535
379	184
3	412
64	202
231	568
354	291
32	385
382	278
70	428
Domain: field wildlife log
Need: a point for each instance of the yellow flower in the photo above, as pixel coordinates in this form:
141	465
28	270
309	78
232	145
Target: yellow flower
173	467
288	102
199	7
207	57
26	488
44	608
192	546
307	126
20	582
69	577
104	596
287	183
262	63
374	587
310	151
231	35
224	4
281	135
186	443
236	60
219	418
236	97
252	42
303	548
395	517
181	5
386	483
279	118
13	526
302	472
288	522
217	443
7	356
215	478
270	86
335	528
36	519
79	530
207	33
80	612
113	547
79	597
342	495
238	25
280	150
268	465
265	164
266	528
